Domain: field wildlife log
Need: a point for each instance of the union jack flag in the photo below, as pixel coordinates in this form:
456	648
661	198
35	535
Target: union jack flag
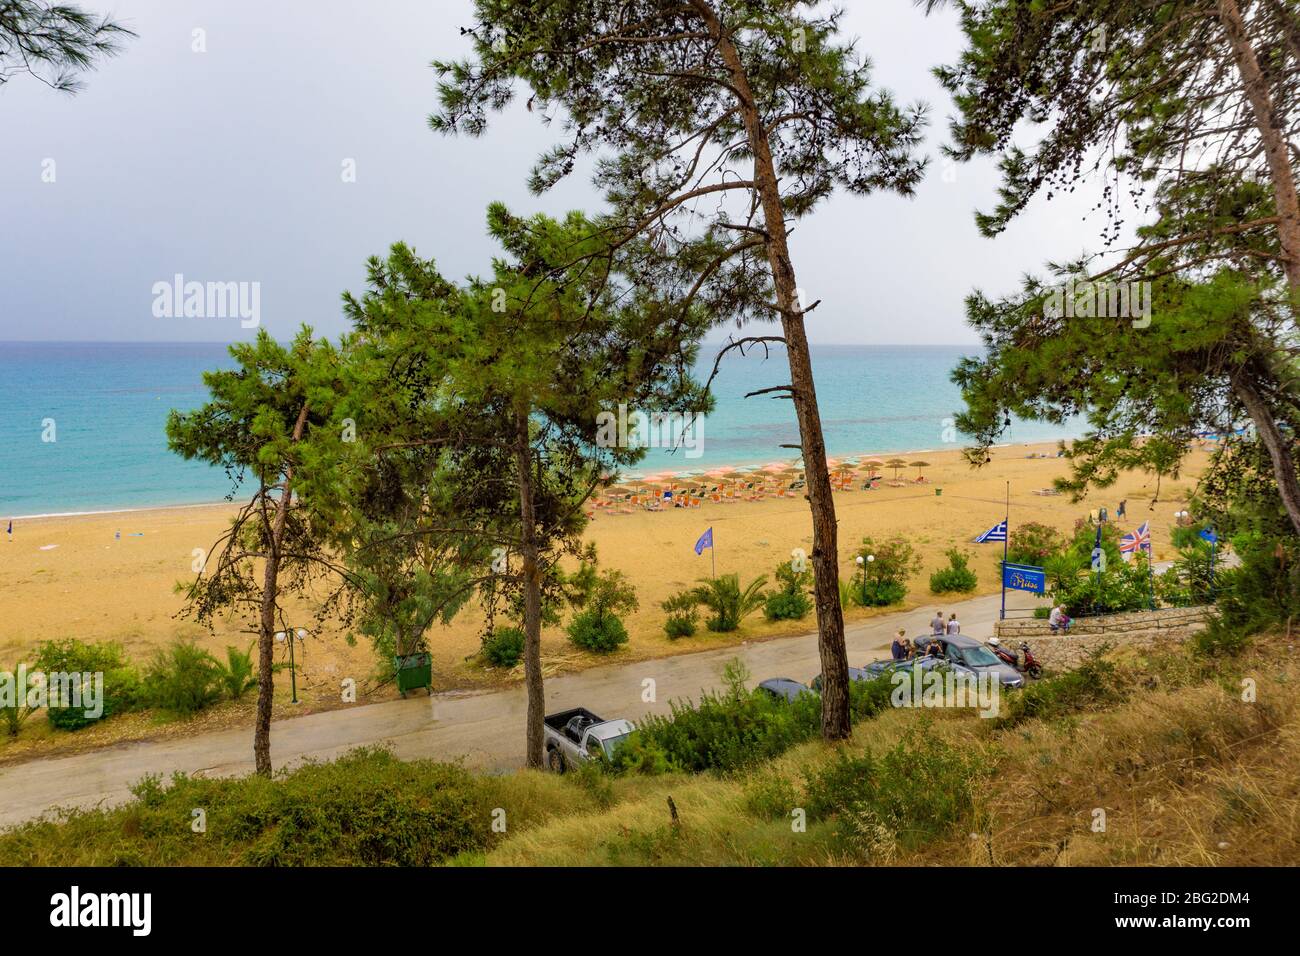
1135	540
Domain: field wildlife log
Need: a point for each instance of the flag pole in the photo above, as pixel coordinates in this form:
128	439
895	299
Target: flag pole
1007	520
713	553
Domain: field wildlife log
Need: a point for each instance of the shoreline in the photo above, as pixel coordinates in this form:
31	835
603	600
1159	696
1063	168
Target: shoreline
641	466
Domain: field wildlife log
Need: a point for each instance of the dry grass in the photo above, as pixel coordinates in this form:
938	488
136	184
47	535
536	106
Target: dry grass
1186	772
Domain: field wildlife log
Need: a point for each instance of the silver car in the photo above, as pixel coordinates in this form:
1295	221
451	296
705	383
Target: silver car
969	653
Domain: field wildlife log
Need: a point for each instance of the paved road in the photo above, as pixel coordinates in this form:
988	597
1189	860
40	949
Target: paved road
485	728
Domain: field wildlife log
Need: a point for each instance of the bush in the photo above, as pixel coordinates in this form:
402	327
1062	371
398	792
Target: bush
365	809
14	712
683	615
728	602
183	679
1033	543
883	580
1094	683
604	597
735	728
593	631
122	690
920	789
791	602
237	676
956	577
504	647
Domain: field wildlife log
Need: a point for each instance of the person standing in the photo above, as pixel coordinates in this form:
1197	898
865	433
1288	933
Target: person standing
1120	511
936	625
898	649
954	625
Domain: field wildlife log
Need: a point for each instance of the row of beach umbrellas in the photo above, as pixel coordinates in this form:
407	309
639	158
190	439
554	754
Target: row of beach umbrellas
626	481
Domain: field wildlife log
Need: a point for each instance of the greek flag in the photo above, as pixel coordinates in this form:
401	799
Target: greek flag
996	533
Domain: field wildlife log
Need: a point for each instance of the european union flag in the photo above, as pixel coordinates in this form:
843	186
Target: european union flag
706	541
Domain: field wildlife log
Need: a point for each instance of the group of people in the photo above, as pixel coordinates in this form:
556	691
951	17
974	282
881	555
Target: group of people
902	649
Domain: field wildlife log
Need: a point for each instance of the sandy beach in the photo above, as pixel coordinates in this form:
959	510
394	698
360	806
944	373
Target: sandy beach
96	586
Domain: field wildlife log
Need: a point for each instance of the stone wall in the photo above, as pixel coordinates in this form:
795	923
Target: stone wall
1134	629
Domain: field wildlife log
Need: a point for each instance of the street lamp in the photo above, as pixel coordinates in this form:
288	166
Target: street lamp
863	565
301	634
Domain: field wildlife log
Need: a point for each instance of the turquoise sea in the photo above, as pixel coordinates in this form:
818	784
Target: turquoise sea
109	402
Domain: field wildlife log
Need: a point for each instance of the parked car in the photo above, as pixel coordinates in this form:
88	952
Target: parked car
923	663
784	688
855	673
972	654
575	736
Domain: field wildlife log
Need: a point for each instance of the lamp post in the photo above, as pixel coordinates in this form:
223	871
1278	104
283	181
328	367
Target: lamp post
862	563
301	634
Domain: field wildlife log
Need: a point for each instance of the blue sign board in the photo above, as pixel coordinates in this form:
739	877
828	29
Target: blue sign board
1024	577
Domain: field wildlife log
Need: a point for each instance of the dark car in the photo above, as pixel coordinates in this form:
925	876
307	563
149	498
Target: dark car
855	673
784	688
920	662
967	652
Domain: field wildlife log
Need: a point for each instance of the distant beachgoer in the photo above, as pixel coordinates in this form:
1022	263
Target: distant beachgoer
954	625
1119	512
937	625
899	648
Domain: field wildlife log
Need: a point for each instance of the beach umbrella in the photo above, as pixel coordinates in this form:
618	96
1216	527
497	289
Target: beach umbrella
871	464
918	465
896	464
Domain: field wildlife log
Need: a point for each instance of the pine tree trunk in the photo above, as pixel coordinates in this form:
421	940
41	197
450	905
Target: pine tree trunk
266	623
532	597
1279	450
836	724
1285	197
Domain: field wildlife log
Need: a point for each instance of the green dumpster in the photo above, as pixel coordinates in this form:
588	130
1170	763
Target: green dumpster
414	671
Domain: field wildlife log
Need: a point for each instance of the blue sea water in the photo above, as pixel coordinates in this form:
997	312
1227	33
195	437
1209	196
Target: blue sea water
109	403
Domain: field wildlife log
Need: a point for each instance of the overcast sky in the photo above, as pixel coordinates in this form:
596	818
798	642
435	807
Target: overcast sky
226	165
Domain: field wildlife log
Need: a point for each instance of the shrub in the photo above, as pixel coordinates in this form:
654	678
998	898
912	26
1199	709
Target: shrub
920	789
183	679
771	797
504	647
735	728
237	676
604	597
728	602
683	615
14	710
122	690
791	602
883	580
595	632
956	577
1033	543
1094	683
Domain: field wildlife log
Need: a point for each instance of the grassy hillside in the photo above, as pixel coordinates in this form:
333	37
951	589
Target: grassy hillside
1185	770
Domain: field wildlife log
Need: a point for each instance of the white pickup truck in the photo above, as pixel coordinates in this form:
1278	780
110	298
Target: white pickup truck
576	736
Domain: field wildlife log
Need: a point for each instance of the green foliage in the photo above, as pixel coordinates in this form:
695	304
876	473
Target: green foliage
918	790
790	602
603	598
1096	682
729	603
237	675
1263	591
592	632
183	678
956	577
15	712
683	615
735	728
504	647
1033	543
365	809
883	580
122	689
55	42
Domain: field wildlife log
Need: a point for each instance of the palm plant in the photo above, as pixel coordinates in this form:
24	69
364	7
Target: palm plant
730	603
15	714
236	676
